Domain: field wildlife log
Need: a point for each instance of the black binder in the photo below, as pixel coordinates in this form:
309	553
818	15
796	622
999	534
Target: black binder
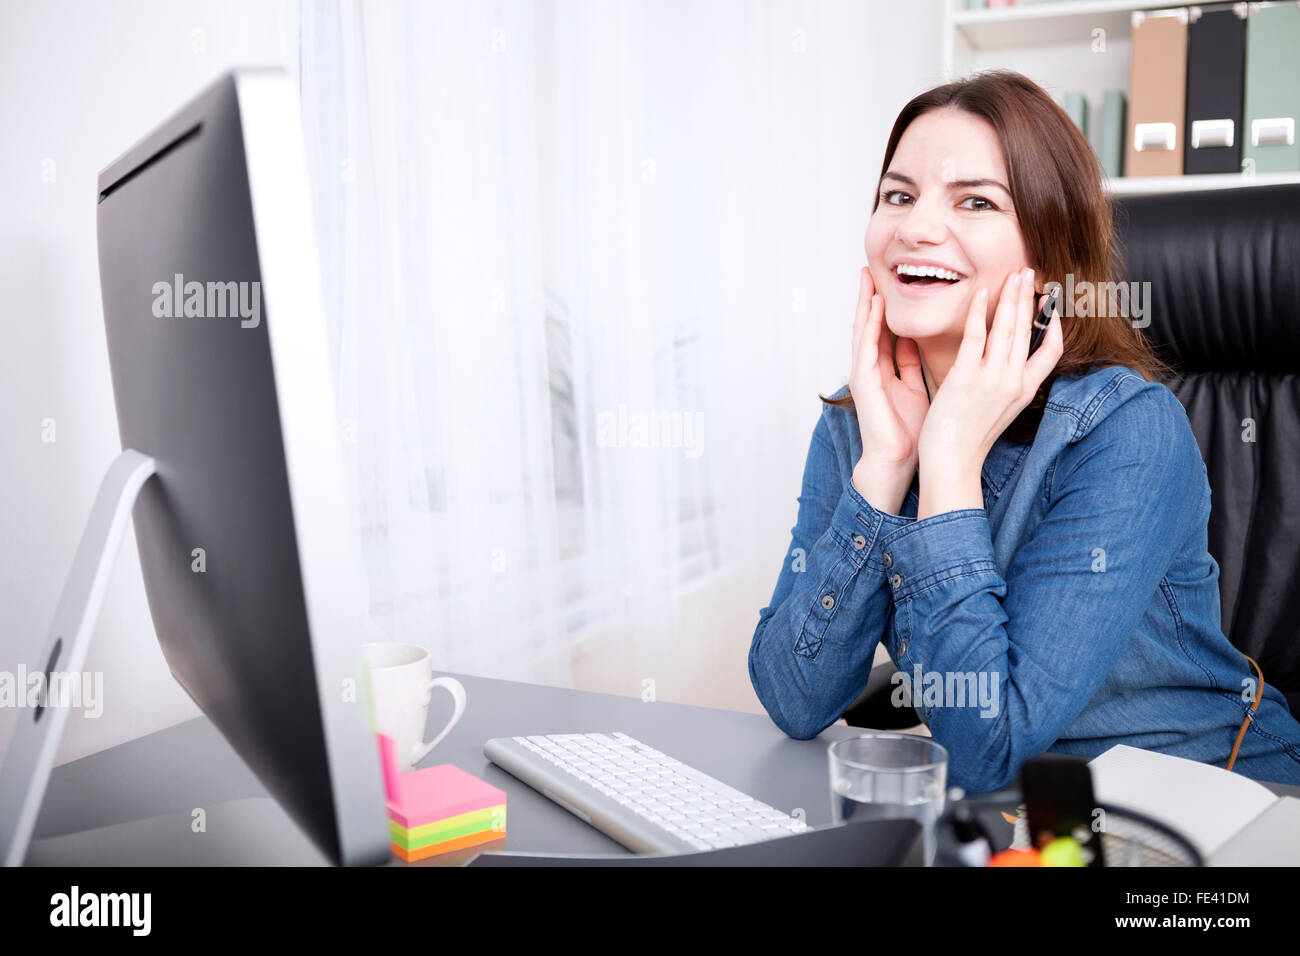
1216	79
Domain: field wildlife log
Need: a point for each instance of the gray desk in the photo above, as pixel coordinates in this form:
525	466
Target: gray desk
160	779
134	804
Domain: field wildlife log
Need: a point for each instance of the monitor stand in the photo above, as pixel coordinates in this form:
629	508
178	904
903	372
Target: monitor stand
27	766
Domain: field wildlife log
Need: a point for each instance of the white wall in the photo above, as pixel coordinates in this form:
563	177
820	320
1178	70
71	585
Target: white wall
82	81
79	83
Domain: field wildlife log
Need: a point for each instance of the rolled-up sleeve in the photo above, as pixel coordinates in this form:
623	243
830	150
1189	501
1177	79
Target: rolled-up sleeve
815	642
999	667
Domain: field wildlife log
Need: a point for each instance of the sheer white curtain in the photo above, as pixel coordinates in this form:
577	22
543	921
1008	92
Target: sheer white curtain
570	252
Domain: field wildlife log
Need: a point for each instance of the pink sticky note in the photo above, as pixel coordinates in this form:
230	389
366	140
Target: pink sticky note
436	793
392	776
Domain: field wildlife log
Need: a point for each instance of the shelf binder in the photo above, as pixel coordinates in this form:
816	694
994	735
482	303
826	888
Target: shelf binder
1157	110
1216	65
1076	107
1108	133
1272	95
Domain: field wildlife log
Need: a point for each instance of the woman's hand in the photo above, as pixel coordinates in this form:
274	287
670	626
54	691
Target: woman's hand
991	381
891	409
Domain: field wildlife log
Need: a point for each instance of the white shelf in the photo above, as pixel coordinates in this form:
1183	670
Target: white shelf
1038	24
1053	43
1132	185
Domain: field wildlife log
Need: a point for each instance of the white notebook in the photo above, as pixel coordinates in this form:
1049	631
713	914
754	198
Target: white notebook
1231	819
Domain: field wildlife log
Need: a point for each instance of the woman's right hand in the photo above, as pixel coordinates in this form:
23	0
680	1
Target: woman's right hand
890	409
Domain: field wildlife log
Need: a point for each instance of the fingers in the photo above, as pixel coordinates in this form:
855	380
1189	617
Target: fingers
866	289
867	327
1003	333
1026	309
884	346
909	364
971	349
875	338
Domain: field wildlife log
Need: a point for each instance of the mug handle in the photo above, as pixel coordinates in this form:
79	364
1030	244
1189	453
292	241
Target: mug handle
457	691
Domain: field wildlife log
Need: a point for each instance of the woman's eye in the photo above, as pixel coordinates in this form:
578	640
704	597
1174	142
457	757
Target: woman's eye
888	194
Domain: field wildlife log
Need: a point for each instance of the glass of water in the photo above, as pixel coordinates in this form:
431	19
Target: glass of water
880	776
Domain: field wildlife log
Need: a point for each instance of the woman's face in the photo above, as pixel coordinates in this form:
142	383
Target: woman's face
931	211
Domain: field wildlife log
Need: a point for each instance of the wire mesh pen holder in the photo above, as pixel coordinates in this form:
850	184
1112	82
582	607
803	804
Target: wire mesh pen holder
1128	838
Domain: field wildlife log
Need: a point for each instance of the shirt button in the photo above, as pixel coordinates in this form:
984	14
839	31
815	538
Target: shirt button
896	580
828	601
889	559
859	542
902	648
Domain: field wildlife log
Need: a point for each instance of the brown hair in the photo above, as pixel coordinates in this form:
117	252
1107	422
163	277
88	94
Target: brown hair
1063	213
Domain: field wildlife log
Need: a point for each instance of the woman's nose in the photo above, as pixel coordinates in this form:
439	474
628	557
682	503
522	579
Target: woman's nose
923	222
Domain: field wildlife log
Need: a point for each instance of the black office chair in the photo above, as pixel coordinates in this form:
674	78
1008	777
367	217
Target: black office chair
1224	268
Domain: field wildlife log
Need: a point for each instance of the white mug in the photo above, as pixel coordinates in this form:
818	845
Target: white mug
401	686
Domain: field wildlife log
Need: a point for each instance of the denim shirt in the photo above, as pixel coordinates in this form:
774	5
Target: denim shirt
1078	609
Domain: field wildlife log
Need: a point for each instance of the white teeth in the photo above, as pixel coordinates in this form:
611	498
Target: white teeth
934	271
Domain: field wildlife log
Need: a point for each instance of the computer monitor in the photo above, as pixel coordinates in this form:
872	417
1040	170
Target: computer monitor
221	375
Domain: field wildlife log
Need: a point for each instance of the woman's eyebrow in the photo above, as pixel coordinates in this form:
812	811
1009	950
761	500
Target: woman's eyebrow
955	184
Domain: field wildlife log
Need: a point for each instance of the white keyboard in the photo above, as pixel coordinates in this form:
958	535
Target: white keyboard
641	797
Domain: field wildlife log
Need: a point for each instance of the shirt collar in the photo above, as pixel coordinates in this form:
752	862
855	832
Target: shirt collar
1001	462
1076	392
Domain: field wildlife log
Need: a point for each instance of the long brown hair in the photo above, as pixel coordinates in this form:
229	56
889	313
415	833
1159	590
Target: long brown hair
1063	214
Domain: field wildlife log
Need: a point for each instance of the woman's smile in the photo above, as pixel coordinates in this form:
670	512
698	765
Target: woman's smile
913	286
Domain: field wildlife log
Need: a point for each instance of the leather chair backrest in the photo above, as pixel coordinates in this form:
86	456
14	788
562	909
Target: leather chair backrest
1224	309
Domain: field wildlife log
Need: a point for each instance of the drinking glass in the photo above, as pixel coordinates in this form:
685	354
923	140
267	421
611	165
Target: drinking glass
880	775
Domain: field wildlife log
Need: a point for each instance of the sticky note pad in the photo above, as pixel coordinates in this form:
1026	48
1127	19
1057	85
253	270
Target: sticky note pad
494	826
462	825
436	793
410	856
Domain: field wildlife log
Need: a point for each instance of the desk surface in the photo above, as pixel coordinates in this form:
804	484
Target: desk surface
160	779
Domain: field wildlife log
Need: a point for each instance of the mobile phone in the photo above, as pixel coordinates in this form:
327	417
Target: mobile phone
1043	318
1057	791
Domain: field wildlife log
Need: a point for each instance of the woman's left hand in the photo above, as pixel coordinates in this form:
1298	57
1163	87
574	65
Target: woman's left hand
991	381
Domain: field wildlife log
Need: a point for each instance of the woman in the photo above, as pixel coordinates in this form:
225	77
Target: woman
1026	533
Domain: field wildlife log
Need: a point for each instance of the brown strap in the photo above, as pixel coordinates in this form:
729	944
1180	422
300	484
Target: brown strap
1250	714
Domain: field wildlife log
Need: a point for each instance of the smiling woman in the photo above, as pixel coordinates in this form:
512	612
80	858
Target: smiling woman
982	177
1053	548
